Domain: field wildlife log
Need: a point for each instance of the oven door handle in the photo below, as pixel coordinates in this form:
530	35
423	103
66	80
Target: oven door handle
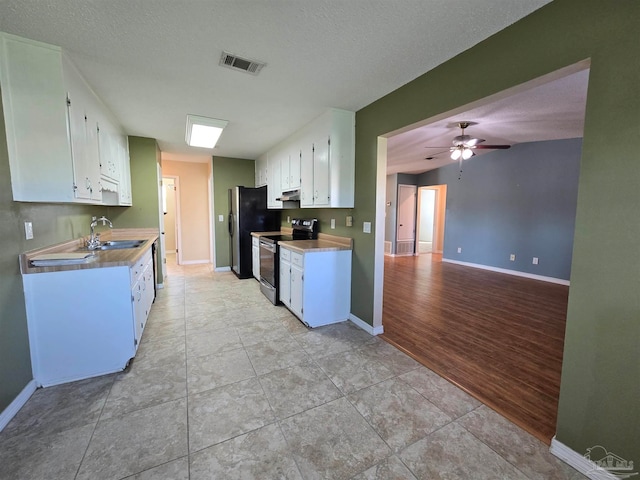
268	246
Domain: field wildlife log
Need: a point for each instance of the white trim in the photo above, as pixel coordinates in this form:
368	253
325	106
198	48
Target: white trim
365	326
222	269
159	285
212	219
516	273
378	263
579	462
195	262
18	402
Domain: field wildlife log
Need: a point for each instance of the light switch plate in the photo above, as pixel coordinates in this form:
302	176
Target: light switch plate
366	227
333	223
221	218
28	230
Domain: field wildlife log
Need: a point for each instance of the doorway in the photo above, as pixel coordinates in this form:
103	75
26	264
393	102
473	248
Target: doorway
170	202
406	228
431	202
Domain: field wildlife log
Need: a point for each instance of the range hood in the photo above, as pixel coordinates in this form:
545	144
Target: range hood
290	196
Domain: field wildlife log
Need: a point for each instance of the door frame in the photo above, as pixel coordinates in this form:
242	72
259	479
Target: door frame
414	190
178	229
439	211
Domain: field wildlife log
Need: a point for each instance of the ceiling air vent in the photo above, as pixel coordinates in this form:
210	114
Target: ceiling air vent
235	62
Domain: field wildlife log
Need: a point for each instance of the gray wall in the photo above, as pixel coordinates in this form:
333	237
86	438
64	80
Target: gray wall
522	200
391	210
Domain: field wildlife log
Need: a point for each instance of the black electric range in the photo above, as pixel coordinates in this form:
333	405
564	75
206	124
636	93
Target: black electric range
302	229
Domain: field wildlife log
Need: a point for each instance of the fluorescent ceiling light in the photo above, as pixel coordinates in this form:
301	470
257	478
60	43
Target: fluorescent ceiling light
203	131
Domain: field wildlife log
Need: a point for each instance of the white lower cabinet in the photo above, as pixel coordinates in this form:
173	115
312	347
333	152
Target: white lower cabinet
285	276
85	323
316	285
255	257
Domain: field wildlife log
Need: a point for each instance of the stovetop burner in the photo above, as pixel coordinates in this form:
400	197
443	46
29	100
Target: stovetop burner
276	238
302	229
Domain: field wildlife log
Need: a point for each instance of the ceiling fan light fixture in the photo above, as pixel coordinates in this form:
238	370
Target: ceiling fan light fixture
456	153
467	153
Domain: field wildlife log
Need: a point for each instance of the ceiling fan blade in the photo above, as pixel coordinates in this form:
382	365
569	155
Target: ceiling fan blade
432	156
493	147
467	140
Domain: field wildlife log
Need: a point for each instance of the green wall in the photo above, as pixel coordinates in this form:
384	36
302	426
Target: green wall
600	391
52	223
227	173
144	155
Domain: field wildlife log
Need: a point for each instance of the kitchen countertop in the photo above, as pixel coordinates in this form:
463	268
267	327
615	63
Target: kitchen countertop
283	231
324	243
101	258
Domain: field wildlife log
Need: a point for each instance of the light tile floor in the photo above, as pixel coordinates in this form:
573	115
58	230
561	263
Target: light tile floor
227	386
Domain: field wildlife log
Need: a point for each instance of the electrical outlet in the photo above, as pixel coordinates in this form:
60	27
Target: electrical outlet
459	249
535	260
333	223
288	219
28	230
366	227
512	257
349	221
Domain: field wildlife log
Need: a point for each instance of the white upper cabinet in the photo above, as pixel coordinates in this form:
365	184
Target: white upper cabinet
124	190
261	171
290	168
83	130
35	117
319	159
64	145
321	156
274	189
328	161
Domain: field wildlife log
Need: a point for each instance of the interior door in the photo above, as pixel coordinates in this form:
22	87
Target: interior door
406	230
163	251
170	237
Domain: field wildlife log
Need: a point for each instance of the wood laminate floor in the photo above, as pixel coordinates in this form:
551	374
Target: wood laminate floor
499	337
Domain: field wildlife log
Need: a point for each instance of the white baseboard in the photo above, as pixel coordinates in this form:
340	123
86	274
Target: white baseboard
222	269
516	273
195	262
18	402
365	326
579	462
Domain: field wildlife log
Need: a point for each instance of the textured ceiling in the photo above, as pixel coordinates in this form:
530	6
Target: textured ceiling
154	61
546	109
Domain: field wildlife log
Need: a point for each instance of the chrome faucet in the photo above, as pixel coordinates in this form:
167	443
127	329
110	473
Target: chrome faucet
94	239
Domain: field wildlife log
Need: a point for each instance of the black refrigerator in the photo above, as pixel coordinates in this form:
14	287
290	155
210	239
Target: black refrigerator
248	213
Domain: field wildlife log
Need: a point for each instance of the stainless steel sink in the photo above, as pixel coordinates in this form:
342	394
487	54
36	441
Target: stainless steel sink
118	244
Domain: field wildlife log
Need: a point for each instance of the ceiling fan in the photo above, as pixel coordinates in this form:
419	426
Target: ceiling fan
463	145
